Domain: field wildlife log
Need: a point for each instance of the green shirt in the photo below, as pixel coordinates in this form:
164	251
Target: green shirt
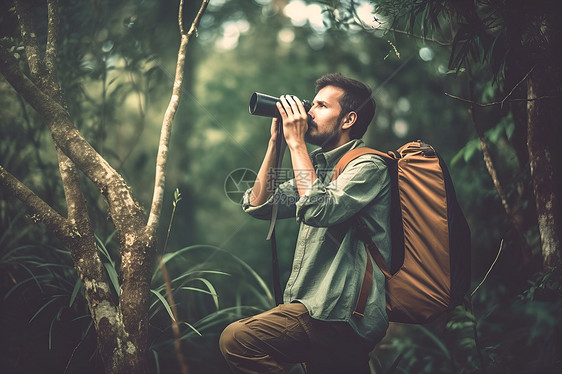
329	261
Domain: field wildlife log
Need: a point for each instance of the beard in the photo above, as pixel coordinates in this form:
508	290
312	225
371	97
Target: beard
322	140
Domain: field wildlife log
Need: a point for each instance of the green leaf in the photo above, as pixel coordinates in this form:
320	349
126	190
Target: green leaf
187	274
109	238
177	197
113	277
165	303
35	278
82	317
495	133
456	158
510	129
467	343
85	332
225	315
264	290
469	152
23	282
168	256
102	248
196	290
156	362
488	93
192	328
44	306
466	152
77	287
212	290
51	333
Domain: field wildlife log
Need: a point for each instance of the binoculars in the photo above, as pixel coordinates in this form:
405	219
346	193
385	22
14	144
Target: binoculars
265	106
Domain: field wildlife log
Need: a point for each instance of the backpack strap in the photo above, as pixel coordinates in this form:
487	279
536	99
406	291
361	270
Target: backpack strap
371	247
353	154
365	288
363	234
372	250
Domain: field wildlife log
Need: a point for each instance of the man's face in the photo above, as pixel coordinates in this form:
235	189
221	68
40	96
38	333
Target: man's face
325	129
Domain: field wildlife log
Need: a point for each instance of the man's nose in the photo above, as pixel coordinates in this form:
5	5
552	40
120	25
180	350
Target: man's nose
311	112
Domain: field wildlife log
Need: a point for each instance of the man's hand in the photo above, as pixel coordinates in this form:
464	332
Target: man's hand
295	125
295	120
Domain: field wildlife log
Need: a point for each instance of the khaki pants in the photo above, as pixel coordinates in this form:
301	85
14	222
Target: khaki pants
274	341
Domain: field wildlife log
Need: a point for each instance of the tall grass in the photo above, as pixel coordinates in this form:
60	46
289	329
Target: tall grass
210	286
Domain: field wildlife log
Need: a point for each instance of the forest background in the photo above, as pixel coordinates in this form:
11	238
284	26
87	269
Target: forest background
116	66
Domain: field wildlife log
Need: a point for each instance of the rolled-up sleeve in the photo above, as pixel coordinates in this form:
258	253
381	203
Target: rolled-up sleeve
358	185
286	196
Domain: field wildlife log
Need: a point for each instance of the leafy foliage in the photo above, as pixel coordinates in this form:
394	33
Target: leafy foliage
209	296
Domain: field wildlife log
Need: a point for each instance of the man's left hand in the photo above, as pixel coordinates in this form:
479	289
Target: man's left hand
295	120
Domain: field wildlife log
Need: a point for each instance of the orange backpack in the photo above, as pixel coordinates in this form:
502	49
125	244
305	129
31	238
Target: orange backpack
430	261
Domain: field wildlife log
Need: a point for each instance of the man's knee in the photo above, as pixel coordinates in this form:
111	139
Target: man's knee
230	341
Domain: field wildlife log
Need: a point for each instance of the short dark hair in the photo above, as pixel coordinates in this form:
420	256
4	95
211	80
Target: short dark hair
357	98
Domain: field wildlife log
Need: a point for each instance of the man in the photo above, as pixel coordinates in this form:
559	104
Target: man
316	325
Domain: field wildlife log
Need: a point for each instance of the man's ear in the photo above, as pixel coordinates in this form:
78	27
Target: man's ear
349	120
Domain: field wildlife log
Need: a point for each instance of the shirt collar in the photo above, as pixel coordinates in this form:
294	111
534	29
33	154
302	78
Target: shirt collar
329	159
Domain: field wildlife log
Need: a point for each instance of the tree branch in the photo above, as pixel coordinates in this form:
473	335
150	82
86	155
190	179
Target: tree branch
51	50
77	210
85	255
120	200
502	102
79	240
358	21
76	203
29	37
484	105
29	90
40	210
52	39
84	247
517	85
425	39
492	169
180	19
136	266
197	20
162	158
122	330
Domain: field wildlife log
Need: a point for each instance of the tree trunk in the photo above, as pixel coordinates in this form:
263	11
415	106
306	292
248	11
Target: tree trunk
136	273
542	119
122	328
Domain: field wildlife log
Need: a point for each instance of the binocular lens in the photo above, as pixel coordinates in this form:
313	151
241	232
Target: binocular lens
265	105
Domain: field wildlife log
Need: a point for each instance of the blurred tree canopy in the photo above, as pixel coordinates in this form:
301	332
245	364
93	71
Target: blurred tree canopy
116	66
